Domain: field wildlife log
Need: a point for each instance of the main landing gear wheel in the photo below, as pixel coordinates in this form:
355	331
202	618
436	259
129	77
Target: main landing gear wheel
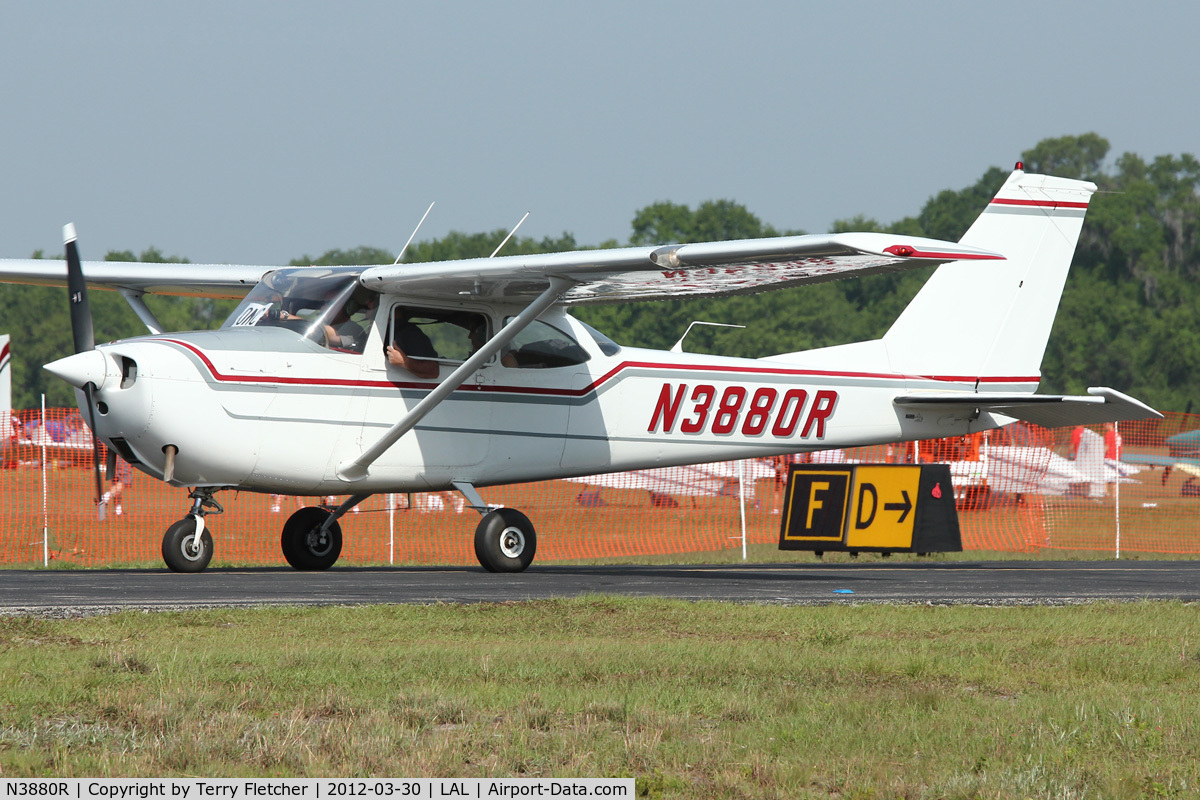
505	541
182	551
305	546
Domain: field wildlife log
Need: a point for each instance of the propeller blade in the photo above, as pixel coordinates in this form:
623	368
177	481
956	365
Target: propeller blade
81	310
85	339
88	390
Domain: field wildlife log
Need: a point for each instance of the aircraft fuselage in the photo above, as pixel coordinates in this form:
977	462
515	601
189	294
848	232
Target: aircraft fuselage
264	409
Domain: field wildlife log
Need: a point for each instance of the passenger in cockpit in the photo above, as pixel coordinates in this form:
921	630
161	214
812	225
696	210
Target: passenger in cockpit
478	335
411	348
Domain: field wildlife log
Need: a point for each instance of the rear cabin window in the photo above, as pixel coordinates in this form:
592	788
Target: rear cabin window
606	345
543	346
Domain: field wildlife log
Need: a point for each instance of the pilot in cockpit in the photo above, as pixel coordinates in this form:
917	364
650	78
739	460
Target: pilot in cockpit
350	326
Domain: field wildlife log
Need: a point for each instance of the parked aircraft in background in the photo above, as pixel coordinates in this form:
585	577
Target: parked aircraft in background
983	472
462	374
719	479
1183	454
56	441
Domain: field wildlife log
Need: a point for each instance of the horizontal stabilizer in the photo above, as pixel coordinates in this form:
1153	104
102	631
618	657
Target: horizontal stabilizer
1050	411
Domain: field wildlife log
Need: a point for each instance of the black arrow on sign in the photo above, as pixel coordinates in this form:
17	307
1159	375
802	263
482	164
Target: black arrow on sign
903	508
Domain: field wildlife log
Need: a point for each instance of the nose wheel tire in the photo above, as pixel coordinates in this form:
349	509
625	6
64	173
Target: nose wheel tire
305	546
505	541
180	549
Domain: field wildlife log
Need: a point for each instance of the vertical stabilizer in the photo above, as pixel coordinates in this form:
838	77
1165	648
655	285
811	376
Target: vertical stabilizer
988	321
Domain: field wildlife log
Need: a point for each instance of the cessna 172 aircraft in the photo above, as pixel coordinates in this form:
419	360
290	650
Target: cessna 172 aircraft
462	374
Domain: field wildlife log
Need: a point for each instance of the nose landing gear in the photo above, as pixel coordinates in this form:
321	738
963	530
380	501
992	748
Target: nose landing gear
187	546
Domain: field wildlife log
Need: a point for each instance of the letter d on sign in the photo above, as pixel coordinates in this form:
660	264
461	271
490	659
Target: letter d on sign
859	522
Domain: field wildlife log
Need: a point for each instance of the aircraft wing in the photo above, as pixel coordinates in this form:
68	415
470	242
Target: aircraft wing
684	481
1148	460
631	273
1031	470
655	273
697	480
1049	411
1183	463
202	280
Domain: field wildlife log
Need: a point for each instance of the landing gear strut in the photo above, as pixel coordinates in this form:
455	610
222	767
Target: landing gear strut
504	540
312	537
187	546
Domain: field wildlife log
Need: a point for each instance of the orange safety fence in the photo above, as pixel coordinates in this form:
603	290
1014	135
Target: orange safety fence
1019	489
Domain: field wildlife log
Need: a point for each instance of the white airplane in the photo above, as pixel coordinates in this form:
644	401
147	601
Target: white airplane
1031	469
298	394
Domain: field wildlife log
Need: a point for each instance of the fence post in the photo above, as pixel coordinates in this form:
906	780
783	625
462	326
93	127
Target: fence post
1117	485
391	501
742	501
45	505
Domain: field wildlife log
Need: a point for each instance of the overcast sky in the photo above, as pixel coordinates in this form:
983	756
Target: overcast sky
253	132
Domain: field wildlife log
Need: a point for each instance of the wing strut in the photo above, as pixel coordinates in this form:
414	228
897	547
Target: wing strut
135	299
356	469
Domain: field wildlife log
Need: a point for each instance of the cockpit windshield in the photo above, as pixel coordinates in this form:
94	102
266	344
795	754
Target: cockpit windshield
325	305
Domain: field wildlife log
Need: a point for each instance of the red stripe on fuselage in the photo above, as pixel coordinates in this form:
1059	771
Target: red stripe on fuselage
596	384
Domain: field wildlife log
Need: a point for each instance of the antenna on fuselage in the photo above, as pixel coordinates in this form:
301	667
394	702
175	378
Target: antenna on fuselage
510	235
414	235
678	346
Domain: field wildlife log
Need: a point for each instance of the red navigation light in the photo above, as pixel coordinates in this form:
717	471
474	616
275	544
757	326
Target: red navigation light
1020	165
902	250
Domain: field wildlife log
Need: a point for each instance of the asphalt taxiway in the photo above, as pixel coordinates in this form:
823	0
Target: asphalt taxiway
71	592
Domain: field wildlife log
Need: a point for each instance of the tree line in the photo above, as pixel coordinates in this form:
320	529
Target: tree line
1128	316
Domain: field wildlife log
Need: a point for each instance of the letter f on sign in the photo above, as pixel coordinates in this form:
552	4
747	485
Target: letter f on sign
813	502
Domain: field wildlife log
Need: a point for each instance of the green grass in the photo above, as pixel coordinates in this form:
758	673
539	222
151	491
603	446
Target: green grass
691	699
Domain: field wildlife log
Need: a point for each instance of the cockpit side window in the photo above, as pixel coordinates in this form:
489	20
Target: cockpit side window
346	325
543	346
327	306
